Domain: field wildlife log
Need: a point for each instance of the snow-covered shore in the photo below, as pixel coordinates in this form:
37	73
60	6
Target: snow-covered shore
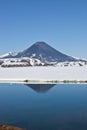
43	74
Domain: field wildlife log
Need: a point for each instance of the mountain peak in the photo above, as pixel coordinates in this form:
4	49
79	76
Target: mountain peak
40	43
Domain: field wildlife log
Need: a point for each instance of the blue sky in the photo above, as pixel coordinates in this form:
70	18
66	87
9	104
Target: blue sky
60	23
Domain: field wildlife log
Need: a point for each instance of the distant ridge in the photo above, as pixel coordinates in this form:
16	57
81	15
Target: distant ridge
42	51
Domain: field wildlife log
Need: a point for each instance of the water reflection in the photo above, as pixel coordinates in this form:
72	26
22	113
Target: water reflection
41	88
62	108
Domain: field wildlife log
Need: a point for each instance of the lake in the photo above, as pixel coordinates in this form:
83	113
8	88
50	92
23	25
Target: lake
44	106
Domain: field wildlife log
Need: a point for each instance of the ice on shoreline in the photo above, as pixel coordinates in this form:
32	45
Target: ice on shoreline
46	73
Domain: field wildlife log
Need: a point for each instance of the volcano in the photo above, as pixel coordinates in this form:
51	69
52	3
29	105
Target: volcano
43	52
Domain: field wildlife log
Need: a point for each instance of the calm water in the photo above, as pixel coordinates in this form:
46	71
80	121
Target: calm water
44	107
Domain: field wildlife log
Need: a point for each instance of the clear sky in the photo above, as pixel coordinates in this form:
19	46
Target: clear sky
60	23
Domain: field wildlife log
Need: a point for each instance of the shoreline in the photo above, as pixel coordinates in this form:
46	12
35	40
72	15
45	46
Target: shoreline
43	82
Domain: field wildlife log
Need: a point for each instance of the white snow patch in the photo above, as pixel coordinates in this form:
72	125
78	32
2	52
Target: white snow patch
76	73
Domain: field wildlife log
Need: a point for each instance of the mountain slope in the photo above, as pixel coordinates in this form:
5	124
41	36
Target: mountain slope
43	52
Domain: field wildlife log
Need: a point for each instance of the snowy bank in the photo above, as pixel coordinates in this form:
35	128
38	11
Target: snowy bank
44	74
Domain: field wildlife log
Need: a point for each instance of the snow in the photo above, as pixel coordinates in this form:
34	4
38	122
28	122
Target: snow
4	55
46	73
25	61
77	63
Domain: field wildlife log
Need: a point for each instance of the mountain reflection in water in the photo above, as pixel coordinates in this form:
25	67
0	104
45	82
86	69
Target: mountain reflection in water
41	88
64	107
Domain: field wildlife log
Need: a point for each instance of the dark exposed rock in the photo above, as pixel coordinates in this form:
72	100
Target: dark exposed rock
6	127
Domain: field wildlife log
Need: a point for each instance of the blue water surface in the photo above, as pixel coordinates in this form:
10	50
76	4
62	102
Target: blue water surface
44	107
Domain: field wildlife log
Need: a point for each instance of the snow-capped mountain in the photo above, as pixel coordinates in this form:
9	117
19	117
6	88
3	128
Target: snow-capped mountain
39	54
41	51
